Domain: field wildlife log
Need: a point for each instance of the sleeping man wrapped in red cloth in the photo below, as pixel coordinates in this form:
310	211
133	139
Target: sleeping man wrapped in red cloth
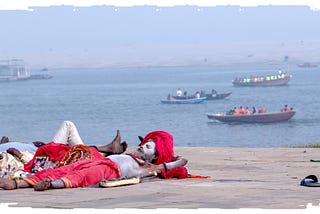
154	156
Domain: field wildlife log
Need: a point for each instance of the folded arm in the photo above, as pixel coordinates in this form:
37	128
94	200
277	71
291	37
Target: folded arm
180	161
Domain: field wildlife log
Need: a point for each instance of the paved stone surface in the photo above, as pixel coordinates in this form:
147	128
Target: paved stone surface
267	178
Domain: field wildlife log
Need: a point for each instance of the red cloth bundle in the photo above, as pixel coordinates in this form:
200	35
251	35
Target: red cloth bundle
178	172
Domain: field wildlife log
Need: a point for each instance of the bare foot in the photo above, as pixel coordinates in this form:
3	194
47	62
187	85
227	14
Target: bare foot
4	139
114	147
7	184
42	185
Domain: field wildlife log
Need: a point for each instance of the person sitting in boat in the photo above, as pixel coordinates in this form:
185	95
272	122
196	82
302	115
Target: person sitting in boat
213	93
263	110
285	108
254	110
169	97
235	111
197	95
241	111
185	93
179	92
247	110
230	112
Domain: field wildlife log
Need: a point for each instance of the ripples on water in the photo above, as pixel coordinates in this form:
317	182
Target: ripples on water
100	101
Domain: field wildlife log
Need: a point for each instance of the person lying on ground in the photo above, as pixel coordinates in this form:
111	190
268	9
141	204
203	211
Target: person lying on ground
48	155
153	156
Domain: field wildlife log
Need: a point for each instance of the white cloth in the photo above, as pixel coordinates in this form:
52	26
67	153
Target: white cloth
68	134
18	145
10	164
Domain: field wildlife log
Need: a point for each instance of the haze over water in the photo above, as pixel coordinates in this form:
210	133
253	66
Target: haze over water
108	36
113	65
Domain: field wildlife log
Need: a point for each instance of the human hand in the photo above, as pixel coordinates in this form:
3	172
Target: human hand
14	152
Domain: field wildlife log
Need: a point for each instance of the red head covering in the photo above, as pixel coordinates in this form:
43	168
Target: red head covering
164	145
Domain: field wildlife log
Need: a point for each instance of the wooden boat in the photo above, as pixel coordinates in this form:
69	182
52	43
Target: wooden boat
184	101
271	80
307	65
40	76
254	118
212	96
217	96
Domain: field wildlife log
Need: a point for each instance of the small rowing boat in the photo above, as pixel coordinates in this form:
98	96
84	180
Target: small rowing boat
271	117
184	101
211	96
217	96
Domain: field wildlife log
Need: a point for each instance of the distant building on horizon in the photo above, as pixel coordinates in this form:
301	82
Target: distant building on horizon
13	69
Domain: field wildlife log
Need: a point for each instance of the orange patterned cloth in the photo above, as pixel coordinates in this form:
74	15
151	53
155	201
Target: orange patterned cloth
57	152
78	152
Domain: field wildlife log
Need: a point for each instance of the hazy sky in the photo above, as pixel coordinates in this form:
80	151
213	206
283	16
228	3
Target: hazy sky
68	35
18	4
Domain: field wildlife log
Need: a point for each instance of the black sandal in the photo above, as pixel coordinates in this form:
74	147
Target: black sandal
310	181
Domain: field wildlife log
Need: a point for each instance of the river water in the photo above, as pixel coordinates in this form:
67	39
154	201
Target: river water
100	101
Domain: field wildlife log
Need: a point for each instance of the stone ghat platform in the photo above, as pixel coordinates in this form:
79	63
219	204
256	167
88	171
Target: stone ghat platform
267	178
